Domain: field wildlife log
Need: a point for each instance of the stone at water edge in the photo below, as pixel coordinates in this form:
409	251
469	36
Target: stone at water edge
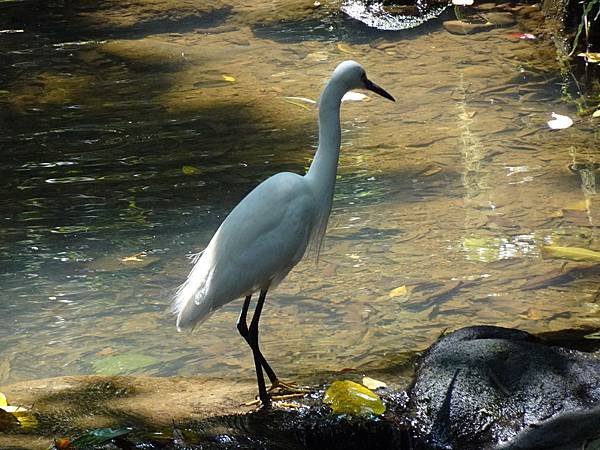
460	27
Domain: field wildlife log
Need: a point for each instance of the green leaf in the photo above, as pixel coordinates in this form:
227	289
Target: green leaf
571	253
348	397
98	437
123	363
190	170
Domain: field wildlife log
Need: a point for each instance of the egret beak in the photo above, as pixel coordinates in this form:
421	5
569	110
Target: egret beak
378	90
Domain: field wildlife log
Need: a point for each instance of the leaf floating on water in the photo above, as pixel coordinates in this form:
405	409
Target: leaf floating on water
560	122
596	114
400	291
348	397
431	170
590	57
523	35
595	335
352	96
97	437
190	170
570	253
372	383
62	443
123	364
229	78
296	103
345	49
3	401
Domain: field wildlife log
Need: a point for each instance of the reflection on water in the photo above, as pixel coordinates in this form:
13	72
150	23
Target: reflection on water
124	148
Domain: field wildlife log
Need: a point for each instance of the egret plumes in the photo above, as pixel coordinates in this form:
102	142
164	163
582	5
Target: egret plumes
269	231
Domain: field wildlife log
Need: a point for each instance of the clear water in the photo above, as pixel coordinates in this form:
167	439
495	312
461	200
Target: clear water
123	151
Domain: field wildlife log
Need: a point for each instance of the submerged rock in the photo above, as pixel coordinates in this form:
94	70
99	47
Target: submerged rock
460	27
485	386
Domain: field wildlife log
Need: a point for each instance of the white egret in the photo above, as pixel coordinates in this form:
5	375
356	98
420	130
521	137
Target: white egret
268	232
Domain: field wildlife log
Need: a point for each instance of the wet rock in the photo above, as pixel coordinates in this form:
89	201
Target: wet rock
485	386
500	19
460	27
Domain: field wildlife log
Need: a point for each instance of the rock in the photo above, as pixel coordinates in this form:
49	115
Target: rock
500	19
460	27
484	386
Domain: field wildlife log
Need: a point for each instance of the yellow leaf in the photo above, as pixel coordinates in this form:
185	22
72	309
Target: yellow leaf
372	383
571	253
229	78
190	170
399	291
3	401
348	397
590	57
581	205
138	257
596	114
345	49
297	103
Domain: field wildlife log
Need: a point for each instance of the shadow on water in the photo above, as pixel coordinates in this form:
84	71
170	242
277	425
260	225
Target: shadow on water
71	20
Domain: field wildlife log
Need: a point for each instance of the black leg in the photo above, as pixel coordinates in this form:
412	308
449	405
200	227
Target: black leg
253	337
243	330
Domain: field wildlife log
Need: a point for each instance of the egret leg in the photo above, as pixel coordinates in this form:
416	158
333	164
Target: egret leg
242	327
263	395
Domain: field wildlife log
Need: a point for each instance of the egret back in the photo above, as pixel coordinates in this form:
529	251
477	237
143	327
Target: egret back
255	247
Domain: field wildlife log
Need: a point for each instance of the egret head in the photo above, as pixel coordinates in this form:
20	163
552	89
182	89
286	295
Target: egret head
352	75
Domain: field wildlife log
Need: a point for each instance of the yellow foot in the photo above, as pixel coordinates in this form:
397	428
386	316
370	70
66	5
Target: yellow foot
283	388
280	399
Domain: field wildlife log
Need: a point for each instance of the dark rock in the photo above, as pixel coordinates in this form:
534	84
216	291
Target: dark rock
485	386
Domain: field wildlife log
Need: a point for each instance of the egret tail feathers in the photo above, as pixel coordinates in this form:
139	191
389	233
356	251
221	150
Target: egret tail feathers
191	304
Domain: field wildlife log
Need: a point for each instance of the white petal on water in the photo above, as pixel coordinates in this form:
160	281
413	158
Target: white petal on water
560	122
354	97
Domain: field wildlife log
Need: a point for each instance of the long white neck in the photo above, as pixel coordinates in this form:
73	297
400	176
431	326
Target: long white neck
322	172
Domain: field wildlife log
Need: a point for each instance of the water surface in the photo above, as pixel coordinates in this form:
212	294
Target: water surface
125	146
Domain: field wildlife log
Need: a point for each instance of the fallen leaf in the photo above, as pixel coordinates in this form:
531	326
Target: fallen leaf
596	114
400	291
123	364
590	57
3	401
229	78
348	397
98	437
522	35
372	383
560	122
595	335
138	257
297	103
430	170
190	170
570	253
531	314
62	443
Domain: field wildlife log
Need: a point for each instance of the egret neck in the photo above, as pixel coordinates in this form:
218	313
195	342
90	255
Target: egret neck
322	172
